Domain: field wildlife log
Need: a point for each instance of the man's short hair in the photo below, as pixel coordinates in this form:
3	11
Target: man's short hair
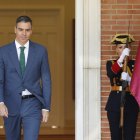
23	19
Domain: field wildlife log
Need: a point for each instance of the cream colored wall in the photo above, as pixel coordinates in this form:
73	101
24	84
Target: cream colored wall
69	48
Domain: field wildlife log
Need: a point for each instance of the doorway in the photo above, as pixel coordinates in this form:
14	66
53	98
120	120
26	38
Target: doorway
49	30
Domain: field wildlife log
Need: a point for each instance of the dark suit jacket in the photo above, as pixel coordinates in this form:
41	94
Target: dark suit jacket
12	83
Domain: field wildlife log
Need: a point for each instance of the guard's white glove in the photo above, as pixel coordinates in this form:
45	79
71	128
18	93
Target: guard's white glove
125	76
125	52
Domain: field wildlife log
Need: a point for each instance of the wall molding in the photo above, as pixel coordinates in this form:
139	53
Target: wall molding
88	114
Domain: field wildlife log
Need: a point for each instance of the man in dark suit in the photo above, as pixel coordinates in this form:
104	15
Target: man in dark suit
25	84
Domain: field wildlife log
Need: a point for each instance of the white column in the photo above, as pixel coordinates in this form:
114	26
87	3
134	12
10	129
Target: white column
87	112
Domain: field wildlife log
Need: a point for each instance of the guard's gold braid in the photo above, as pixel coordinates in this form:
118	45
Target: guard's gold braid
130	38
112	61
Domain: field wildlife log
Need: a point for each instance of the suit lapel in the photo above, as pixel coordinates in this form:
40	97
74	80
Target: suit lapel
14	58
31	56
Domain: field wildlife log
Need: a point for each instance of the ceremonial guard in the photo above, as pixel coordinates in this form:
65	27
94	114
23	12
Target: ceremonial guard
116	75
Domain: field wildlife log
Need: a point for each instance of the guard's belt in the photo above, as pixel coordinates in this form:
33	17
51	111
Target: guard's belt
119	88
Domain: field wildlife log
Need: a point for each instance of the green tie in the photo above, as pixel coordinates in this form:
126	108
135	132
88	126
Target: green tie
22	60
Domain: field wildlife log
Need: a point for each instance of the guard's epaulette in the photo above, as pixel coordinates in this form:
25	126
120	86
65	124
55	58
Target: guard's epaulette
112	61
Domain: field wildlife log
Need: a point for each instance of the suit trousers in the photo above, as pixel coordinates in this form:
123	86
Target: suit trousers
28	119
128	130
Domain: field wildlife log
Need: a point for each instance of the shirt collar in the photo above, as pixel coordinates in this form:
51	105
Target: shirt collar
19	45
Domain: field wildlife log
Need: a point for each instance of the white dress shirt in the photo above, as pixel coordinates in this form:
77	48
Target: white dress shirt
26	51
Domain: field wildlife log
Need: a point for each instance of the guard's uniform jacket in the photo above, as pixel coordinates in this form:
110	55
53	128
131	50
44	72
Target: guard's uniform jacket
131	107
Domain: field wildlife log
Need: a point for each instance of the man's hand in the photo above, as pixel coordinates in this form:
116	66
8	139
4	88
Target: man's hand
3	110
45	115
